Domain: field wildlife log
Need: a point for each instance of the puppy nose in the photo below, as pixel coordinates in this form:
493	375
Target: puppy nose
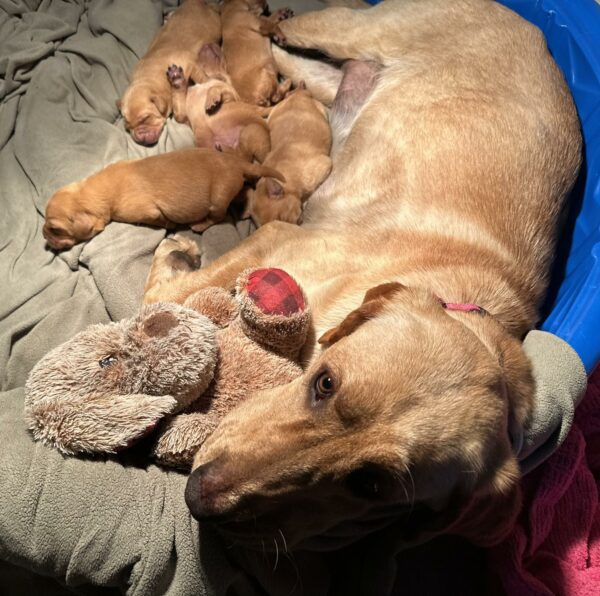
204	486
145	136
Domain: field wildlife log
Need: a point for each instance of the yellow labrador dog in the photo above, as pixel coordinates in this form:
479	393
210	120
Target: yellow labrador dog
424	256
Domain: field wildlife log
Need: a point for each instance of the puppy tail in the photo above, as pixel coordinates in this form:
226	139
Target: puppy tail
254	170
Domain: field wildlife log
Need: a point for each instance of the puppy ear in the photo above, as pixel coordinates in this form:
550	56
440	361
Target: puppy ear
373	303
103	425
162	105
83	226
274	188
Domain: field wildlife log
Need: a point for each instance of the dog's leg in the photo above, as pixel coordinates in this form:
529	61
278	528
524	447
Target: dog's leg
380	33
255	142
179	87
281	91
164	283
270	25
322	79
173	256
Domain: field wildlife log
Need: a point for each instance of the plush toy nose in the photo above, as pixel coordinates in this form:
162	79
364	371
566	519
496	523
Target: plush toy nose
275	292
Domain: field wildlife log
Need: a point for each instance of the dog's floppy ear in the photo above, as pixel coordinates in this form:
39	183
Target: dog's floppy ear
84	225
486	520
103	425
373	303
162	105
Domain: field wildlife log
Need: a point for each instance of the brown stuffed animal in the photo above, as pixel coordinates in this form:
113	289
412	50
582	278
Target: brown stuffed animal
184	367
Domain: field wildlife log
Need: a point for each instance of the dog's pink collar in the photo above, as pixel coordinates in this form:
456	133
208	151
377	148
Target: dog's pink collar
463	306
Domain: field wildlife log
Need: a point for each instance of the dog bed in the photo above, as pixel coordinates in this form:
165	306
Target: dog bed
113	523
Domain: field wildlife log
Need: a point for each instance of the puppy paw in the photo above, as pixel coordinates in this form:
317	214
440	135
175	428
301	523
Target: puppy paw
175	76
278	37
283	13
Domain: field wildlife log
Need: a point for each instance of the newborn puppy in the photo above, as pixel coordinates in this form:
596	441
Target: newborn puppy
147	101
247	50
191	186
214	111
300	146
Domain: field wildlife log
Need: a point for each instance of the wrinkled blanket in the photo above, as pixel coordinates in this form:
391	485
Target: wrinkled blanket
63	65
109	522
555	547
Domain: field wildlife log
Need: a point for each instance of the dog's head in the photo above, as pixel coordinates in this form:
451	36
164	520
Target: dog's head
145	111
271	201
256	7
67	221
403	419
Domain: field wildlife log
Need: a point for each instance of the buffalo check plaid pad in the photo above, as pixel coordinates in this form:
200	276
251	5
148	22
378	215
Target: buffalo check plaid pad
275	292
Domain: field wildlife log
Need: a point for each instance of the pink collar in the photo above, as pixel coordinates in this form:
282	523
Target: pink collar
463	307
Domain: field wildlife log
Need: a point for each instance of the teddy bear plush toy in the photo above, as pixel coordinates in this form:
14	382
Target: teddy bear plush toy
171	371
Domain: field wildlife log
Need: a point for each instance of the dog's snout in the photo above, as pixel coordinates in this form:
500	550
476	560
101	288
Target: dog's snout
204	486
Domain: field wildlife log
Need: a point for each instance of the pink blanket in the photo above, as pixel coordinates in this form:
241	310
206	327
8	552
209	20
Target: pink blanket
555	548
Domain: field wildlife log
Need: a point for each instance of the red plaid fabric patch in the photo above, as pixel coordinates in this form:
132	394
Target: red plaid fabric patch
275	292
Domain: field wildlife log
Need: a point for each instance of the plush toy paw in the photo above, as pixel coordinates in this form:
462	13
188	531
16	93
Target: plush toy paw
182	436
273	310
274	292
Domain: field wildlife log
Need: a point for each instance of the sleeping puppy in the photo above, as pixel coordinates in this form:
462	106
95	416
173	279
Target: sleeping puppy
190	186
300	146
247	50
214	110
146	103
425	256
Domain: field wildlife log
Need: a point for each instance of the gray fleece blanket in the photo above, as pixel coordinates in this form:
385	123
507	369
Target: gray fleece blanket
94	524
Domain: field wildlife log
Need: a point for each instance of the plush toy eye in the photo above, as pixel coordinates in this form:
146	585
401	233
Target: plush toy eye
323	385
108	361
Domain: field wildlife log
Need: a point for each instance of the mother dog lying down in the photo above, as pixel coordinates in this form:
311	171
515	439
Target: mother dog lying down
424	257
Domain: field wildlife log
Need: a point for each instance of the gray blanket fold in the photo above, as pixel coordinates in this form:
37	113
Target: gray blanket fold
93	523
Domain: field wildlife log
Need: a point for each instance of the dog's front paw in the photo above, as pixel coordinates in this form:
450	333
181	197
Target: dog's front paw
175	76
283	13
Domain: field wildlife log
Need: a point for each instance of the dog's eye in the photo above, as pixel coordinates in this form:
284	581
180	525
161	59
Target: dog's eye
368	482
323	386
56	231
108	361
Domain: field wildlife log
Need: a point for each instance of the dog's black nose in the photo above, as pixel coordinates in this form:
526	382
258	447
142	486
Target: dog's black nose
204	487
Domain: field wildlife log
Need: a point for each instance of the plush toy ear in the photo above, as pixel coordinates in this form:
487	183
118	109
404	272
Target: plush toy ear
373	303
102	425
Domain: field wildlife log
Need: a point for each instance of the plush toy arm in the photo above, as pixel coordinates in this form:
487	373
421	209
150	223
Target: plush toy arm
182	436
107	425
273	310
215	303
